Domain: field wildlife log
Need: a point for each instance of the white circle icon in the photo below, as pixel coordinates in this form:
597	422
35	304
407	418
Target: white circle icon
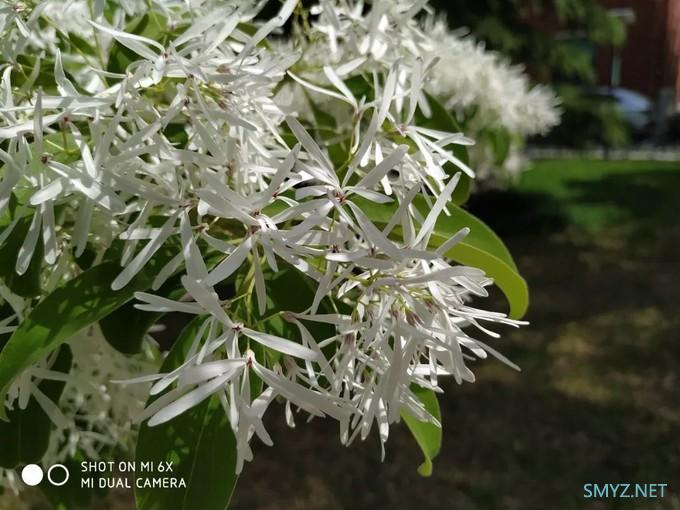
32	474
66	475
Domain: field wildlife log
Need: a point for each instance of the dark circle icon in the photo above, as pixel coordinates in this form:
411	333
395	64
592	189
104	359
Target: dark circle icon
66	475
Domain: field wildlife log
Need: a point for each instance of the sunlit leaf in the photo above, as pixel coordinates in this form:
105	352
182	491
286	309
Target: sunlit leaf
427	435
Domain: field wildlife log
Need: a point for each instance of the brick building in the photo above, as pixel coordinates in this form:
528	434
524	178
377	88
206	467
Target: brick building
649	62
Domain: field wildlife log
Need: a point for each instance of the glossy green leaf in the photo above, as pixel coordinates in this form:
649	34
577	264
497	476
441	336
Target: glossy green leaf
126	327
427	435
26	434
199	443
513	286
482	248
68	309
481	236
28	284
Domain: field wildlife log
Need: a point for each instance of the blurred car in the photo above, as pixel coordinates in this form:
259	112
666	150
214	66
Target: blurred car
637	110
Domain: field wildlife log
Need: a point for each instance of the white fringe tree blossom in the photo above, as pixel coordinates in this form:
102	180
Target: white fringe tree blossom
292	185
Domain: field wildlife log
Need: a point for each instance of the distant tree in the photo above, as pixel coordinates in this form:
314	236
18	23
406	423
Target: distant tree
555	40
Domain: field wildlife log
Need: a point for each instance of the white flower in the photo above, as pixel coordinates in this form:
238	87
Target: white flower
192	142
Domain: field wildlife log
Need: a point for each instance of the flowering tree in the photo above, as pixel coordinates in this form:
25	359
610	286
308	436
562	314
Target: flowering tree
298	198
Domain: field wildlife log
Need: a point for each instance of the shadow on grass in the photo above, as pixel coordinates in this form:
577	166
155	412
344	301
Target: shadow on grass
642	197
638	196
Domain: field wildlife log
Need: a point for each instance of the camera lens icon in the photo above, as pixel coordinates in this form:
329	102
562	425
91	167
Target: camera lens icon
32	475
57	475
64	477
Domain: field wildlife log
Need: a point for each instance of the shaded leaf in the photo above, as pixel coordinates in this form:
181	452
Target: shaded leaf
69	308
71	496
126	327
26	436
199	443
28	284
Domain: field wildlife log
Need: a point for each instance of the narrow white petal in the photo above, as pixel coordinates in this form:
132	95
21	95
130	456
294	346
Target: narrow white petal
161	304
28	247
145	254
437	208
281	344
229	265
380	170
310	146
187	401
48	192
207	298
199	373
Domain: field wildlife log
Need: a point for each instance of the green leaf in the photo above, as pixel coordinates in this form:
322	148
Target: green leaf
45	78
427	435
71	496
442	120
126	327
281	298
482	248
501	142
26	436
360	87
199	443
68	309
81	44
28	284
513	286
150	25
481	236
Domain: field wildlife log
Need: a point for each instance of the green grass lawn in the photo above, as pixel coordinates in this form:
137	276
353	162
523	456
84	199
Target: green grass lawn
598	194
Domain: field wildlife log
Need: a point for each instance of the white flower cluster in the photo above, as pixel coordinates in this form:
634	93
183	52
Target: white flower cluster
485	91
491	95
469	76
191	140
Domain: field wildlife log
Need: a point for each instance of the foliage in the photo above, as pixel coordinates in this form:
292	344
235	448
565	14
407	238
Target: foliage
588	121
523	30
555	39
